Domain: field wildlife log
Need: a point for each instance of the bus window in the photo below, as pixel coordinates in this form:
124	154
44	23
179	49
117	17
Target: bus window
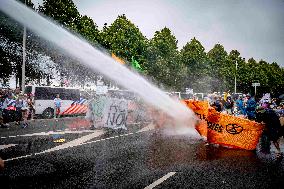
49	93
56	91
41	93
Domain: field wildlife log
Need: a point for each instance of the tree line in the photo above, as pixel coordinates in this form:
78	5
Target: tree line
160	59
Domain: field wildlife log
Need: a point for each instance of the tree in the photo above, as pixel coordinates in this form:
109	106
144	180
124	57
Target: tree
163	62
125	40
5	67
87	28
221	77
64	12
193	56
11	37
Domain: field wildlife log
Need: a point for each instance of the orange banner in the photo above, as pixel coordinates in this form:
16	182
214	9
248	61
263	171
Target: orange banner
224	129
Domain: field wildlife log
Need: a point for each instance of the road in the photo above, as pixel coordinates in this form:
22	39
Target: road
140	157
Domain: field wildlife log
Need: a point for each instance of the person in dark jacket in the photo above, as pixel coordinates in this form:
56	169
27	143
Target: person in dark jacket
217	104
272	129
251	108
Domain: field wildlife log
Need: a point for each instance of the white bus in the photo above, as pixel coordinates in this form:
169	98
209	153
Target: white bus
44	98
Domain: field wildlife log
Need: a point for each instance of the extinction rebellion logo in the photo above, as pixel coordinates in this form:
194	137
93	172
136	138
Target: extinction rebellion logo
234	129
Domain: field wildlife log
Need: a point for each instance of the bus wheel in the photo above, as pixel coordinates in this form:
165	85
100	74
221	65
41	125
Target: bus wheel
48	113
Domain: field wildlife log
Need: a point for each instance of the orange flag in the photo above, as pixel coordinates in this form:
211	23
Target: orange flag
117	59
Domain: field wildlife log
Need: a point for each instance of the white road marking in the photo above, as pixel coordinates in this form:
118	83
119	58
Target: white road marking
70	144
159	181
149	127
7	146
52	133
76	142
108	138
18	157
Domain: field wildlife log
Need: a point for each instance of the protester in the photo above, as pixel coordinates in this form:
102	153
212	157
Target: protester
228	105
19	103
31	108
251	107
25	111
272	128
217	104
9	110
57	106
226	95
240	105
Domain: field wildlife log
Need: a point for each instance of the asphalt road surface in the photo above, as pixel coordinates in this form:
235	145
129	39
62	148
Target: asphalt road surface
68	154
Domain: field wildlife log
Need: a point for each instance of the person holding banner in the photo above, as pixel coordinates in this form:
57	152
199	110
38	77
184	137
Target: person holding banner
272	128
217	104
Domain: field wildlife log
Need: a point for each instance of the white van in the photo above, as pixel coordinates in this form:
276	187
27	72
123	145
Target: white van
44	98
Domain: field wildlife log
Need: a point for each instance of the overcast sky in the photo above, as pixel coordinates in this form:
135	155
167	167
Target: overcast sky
254	27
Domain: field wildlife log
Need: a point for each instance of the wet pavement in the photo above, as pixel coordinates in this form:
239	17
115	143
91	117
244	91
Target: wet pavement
126	159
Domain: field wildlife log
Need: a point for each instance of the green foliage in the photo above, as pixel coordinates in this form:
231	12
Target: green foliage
88	29
193	56
163	60
63	11
125	40
11	41
5	67
221	68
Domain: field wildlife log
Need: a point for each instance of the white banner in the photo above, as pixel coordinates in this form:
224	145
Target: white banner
116	113
108	112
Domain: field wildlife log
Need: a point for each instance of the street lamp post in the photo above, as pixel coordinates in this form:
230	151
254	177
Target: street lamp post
24	59
236	77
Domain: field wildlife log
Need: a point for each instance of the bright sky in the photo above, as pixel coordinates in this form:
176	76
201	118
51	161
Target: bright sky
254	27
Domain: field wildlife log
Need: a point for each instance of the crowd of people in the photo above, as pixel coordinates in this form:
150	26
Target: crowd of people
244	105
15	106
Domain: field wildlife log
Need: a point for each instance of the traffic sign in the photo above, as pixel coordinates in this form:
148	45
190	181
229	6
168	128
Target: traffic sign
255	84
189	91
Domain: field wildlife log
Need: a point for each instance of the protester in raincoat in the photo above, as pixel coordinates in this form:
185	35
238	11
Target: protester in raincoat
240	105
272	130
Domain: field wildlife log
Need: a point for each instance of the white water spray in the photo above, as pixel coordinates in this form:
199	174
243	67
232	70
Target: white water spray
96	60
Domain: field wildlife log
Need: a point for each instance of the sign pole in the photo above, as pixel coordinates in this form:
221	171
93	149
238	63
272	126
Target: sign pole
255	85
24	59
255	90
236	77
